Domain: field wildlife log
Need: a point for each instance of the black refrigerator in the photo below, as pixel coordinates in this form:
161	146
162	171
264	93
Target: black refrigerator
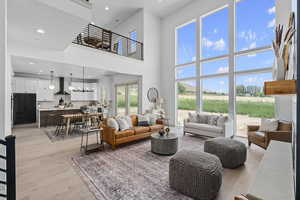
24	108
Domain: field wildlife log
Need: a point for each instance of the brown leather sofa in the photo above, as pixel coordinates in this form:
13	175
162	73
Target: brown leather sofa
116	137
262	139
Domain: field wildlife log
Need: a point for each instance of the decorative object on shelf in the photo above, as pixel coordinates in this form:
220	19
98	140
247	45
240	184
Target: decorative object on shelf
70	83
51	85
283	46
161	132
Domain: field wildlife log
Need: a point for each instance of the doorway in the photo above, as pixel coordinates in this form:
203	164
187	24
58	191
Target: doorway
127	99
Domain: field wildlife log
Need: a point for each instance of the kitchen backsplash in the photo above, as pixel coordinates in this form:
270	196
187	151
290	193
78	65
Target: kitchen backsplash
67	99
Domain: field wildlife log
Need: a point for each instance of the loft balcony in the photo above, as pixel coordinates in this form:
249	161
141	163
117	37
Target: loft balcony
105	40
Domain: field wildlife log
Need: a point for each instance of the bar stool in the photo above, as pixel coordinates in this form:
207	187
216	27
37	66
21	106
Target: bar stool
78	123
61	126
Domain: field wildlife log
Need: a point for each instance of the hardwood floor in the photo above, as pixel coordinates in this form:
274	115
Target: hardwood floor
45	171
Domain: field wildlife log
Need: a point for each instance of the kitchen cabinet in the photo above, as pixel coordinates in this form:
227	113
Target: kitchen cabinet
24	85
43	91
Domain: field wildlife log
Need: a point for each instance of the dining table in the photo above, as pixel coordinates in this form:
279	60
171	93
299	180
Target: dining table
84	116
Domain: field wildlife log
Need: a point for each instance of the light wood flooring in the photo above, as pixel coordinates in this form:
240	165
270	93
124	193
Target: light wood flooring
45	171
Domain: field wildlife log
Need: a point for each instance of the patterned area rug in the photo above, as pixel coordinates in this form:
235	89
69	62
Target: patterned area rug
50	132
132	172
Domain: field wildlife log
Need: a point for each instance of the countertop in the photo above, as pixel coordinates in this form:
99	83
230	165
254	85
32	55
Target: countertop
57	109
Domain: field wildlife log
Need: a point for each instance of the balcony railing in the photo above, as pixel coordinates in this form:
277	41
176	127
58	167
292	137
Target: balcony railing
106	40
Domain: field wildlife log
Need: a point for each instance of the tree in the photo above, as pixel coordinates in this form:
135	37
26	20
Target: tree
241	90
181	88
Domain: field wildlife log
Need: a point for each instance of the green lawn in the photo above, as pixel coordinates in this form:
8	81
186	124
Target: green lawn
253	109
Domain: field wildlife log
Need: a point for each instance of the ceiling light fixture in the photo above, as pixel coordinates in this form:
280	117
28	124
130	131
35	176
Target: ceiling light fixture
106	8
31	63
41	31
51	86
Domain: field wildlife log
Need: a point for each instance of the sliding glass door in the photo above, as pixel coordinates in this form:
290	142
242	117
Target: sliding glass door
127	99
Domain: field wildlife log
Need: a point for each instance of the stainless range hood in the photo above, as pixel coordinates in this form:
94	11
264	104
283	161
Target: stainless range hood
62	87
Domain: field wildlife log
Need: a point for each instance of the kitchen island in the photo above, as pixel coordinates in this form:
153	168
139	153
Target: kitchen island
50	116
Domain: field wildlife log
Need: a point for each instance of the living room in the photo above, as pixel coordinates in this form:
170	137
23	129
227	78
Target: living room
157	99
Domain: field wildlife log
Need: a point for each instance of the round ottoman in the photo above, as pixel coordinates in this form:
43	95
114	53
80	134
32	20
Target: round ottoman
196	174
232	153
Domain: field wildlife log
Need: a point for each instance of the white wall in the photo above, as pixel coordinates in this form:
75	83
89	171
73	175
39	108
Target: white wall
284	104
149	69
4	74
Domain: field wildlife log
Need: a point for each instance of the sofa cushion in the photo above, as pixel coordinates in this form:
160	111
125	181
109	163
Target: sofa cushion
123	124
213	120
141	129
193	117
143	120
156	127
257	135
122	134
203	118
221	121
268	125
204	127
112	123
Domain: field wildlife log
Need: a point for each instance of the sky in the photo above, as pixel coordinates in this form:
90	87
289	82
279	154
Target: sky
255	24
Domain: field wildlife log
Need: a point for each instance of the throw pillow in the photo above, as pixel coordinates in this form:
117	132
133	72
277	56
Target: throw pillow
193	117
202	118
129	121
221	121
143	120
213	120
123	124
112	123
268	125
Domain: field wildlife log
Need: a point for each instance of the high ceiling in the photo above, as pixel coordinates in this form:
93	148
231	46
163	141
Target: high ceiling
120	10
42	67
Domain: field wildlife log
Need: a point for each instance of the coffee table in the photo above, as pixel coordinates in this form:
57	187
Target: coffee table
164	145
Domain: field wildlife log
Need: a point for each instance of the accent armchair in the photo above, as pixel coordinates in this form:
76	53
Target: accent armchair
262	139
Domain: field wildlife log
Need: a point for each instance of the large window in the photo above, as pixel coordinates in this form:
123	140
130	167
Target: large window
215	75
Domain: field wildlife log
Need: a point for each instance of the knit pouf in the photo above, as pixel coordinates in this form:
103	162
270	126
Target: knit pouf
196	174
232	153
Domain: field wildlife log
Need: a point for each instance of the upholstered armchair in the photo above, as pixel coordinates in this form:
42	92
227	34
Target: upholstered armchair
262	139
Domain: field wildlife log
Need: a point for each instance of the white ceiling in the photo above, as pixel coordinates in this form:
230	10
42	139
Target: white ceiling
42	67
26	16
122	9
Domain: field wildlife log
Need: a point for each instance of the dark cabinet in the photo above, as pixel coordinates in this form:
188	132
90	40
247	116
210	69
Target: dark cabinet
24	108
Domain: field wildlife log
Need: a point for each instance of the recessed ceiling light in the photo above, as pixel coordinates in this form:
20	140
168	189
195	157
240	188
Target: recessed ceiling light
40	31
31	63
106	8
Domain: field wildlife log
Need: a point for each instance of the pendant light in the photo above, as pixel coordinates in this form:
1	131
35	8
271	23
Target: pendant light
51	86
83	79
71	88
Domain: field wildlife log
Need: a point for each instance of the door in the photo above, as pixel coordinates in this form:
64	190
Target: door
127	99
121	100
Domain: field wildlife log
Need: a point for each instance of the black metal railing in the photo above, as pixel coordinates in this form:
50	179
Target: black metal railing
8	169
98	38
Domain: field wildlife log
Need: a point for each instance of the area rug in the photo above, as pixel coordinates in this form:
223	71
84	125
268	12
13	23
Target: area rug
50	132
132	172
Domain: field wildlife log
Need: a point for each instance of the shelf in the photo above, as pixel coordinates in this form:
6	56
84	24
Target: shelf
284	87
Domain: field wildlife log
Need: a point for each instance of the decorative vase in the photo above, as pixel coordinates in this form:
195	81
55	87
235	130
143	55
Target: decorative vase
279	71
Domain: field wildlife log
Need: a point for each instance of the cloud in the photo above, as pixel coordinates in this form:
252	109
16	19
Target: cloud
271	10
207	42
271	24
219	45
248	35
222	70
215	31
251	80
